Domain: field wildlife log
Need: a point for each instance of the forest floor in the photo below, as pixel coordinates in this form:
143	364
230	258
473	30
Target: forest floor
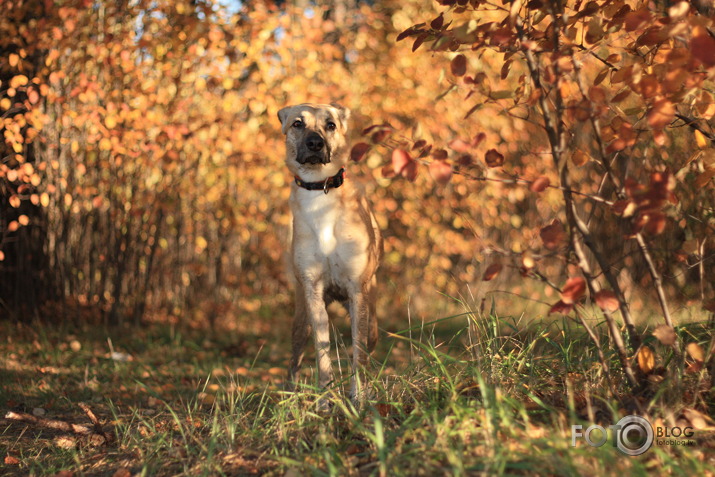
458	396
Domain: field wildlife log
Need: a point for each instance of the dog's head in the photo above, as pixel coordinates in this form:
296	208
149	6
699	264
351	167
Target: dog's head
316	146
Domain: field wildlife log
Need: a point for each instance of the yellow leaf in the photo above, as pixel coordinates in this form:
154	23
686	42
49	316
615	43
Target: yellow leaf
695	352
105	144
23	219
45	199
201	243
110	121
646	359
13	59
701	140
5	103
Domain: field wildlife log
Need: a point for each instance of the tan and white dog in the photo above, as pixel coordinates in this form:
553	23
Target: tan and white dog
337	245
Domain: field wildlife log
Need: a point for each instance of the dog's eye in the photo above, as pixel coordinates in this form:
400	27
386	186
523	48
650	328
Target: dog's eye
330	126
297	123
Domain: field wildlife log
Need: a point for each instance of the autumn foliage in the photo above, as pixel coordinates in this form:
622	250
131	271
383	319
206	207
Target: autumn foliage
617	95
562	147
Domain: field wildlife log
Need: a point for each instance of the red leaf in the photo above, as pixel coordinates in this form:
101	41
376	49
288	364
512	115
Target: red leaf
702	45
656	223
637	19
440	171
10	460
540	184
458	65
573	290
400	160
561	307
418	41
419	144
492	271
465	160
438	22
409	32
440	154
358	151
410	171
459	145
553	235
606	300
478	139
493	158
387	171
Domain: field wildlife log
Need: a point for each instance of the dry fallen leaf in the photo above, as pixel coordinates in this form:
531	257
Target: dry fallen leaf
665	334
646	359
695	352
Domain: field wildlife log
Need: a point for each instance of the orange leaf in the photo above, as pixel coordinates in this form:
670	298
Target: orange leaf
701	140
492	271
695	352
646	359
11	460
606	300
540	184
661	114
579	158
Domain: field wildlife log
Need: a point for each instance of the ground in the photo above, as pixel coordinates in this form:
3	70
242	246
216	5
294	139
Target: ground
461	395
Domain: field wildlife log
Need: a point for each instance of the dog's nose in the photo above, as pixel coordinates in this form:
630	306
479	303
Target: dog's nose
314	142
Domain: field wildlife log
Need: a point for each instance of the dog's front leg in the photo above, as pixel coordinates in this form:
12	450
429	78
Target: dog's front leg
315	306
301	331
359	320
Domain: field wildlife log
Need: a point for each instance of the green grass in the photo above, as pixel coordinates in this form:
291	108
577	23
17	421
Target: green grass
464	395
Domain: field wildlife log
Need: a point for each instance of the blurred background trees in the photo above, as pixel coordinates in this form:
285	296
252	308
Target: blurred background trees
142	172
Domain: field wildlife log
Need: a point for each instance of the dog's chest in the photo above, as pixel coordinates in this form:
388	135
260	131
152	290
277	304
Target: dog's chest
320	213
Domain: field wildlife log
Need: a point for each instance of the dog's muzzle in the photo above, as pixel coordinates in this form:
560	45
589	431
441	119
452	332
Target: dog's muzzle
313	150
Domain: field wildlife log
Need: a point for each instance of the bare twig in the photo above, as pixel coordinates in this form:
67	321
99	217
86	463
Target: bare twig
578	231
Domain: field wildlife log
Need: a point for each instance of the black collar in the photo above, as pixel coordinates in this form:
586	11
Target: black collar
330	183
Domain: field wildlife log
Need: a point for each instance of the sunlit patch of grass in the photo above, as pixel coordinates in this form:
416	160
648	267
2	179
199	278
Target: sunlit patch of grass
472	393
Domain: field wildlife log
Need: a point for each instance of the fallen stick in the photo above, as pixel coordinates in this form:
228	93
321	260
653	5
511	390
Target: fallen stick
49	423
63	426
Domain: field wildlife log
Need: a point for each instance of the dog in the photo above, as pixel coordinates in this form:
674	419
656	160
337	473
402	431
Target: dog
336	246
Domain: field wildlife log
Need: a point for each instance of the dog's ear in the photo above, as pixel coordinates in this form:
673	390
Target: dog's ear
283	117
343	114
